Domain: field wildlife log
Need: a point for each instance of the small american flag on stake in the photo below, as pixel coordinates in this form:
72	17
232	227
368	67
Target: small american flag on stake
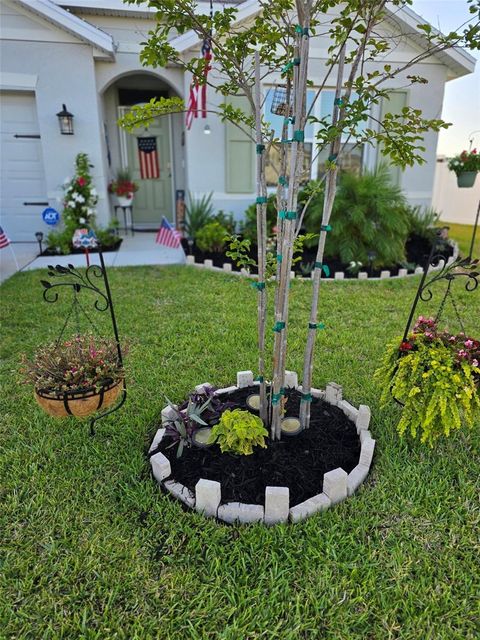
148	158
4	241
168	235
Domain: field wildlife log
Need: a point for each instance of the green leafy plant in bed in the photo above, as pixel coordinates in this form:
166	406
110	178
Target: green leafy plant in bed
239	431
212	237
435	375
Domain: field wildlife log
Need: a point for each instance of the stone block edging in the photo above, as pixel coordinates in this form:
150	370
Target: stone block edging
337	484
338	275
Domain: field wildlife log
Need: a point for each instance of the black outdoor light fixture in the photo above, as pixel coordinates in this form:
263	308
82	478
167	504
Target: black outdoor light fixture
39	237
65	119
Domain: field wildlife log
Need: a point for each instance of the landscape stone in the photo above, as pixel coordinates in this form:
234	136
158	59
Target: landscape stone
335	485
277	502
305	509
160	467
208	494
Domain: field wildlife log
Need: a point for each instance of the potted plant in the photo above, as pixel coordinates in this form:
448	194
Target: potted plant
435	375
466	166
75	377
123	187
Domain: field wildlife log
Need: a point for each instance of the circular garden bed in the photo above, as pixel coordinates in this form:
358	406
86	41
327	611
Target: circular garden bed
291	478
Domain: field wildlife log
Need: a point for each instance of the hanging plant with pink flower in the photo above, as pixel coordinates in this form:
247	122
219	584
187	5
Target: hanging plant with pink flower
466	166
435	375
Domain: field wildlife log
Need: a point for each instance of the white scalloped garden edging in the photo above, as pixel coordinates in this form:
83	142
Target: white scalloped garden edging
337	484
339	275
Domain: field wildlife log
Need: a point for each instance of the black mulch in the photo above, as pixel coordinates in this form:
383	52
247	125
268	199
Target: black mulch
297	462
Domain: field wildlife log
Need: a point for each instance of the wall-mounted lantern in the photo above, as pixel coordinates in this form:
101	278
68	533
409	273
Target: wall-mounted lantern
65	119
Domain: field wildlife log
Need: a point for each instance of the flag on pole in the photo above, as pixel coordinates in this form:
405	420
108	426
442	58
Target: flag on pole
148	158
168	235
4	241
199	93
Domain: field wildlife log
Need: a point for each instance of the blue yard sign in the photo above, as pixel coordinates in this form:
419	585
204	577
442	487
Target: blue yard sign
50	216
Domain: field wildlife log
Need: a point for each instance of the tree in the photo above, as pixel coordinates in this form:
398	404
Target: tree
276	40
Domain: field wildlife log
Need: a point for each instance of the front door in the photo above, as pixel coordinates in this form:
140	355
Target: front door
153	200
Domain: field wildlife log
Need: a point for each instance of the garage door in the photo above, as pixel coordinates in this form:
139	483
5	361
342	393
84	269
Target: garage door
23	193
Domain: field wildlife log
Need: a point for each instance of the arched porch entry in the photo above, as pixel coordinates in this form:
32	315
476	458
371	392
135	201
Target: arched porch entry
153	155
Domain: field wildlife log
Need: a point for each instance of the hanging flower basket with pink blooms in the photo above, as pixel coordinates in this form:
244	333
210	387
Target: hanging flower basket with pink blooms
466	166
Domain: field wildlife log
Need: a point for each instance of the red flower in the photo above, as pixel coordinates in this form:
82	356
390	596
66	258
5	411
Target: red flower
81	182
406	346
474	151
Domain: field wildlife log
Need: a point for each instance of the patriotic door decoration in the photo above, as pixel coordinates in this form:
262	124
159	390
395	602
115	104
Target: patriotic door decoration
148	158
198	94
168	235
4	241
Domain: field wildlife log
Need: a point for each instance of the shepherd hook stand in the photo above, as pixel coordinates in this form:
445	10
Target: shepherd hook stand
77	281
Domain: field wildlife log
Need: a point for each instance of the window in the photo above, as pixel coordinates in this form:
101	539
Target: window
314	162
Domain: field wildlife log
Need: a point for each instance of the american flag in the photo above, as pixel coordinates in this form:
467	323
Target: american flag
148	157
4	241
197	91
168	235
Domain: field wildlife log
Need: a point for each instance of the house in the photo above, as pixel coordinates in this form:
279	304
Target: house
85	54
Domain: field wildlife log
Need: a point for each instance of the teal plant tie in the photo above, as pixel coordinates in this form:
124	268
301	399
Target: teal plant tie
298	28
279	326
338	102
282	180
258	285
285	141
276	397
290	215
326	227
282	214
299	135
325	268
260	148
306	397
305	32
296	62
287	67
279	257
333	158
261	200
259	378
316	325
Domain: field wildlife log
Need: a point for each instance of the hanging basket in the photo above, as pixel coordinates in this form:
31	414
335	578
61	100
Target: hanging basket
79	403
279	102
466	179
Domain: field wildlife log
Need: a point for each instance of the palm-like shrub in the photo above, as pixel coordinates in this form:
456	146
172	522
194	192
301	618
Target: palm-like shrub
198	213
369	220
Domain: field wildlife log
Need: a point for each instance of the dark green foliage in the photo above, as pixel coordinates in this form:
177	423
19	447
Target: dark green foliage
226	220
198	213
422	221
212	237
249	229
369	217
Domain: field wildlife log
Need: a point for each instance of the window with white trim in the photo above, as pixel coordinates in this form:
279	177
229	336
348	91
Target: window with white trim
314	159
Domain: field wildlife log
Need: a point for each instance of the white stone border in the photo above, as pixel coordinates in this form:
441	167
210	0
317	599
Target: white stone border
339	275
337	484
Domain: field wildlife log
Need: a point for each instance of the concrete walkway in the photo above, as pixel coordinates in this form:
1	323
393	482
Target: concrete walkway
140	249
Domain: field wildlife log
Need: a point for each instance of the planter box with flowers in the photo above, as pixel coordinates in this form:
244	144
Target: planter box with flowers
123	187
466	166
75	377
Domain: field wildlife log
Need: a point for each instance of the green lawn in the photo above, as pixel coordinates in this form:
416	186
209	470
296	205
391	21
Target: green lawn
92	549
463	233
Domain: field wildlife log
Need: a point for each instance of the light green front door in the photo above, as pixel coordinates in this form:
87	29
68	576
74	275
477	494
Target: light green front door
154	196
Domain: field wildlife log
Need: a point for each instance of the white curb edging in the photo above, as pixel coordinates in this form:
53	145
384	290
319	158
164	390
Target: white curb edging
337	484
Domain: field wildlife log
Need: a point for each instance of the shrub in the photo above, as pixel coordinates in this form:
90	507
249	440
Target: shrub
238	432
226	220
369	217
211	237
198	213
422	221
435	375
249	228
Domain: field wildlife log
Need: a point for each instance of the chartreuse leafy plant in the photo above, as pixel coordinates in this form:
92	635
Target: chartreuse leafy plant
212	237
238	432
435	375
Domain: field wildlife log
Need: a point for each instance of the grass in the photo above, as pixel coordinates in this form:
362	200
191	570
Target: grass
462	233
92	549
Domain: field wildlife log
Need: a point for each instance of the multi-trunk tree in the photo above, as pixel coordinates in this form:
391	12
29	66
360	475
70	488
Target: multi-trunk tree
273	45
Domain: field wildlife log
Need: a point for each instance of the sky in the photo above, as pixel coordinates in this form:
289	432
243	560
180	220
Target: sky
461	104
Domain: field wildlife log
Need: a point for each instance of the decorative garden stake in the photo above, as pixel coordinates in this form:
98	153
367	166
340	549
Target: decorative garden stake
84	401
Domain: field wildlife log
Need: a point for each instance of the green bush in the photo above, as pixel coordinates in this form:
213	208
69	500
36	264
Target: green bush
212	237
198	213
226	220
238	432
249	228
370	216
422	221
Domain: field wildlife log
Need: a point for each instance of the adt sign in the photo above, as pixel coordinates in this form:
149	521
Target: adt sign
50	216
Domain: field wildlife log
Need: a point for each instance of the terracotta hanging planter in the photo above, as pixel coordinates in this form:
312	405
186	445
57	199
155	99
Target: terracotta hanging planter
466	179
79	403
